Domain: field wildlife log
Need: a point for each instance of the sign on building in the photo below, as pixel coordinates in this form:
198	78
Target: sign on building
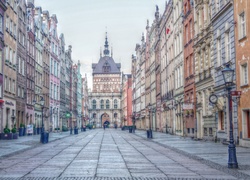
187	106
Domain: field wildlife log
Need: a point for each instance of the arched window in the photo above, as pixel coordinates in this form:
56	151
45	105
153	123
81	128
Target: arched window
115	104
94	115
102	104
107	104
94	104
115	115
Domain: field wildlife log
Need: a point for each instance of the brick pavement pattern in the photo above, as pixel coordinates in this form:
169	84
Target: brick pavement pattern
108	154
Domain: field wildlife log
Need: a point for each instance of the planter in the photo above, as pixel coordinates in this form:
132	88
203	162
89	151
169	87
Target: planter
15	136
34	131
76	131
20	131
8	136
24	131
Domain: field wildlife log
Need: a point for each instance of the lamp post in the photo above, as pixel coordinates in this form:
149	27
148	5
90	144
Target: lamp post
228	75
44	136
149	131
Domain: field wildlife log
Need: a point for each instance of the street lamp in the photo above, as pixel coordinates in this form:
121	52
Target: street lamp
228	75
44	136
149	131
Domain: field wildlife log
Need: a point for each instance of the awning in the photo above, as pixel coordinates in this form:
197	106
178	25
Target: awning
1	101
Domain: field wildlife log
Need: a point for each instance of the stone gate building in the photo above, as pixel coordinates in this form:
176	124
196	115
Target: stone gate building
105	97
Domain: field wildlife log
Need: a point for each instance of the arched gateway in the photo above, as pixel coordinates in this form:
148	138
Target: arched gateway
105	119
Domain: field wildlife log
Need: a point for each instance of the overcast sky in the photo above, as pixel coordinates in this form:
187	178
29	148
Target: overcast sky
84	23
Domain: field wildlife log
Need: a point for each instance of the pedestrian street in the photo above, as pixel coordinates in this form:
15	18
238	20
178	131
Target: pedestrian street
109	153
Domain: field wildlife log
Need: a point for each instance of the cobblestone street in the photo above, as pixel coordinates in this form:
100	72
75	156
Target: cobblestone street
110	153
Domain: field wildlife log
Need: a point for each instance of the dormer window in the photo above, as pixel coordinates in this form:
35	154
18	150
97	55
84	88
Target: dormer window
106	67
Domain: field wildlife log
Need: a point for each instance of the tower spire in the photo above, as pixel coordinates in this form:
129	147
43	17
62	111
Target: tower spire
106	46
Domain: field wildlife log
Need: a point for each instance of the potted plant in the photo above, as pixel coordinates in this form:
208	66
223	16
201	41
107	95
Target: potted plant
14	132
21	129
7	134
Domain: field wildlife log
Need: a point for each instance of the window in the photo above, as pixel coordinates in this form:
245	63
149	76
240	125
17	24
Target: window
51	66
1	23
94	104
7	53
115	104
107	104
218	52
14	30
56	49
5	83
53	46
55	96
23	40
23	67
18	91
13	86
186	29
9	84
228	46
242	24
115	115
14	58
244	75
51	90
7	23
221	120
102	104
1	63
11	26
55	68
19	65
10	55
191	29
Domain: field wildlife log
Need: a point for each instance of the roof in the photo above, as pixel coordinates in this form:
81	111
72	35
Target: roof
106	61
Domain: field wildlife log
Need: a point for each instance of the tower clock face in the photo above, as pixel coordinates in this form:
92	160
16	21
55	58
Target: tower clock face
213	98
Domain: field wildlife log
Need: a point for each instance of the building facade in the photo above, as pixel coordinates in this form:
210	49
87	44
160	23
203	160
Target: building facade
21	65
2	60
54	74
204	81
63	109
30	64
126	101
164	47
241	12
38	66
105	98
10	40
223	54
46	69
178	67
68	84
189	122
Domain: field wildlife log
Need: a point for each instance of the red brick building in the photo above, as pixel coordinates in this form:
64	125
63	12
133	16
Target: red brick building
189	76
242	46
127	99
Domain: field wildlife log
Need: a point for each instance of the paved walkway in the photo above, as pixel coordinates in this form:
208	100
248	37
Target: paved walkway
110	153
8	147
210	153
